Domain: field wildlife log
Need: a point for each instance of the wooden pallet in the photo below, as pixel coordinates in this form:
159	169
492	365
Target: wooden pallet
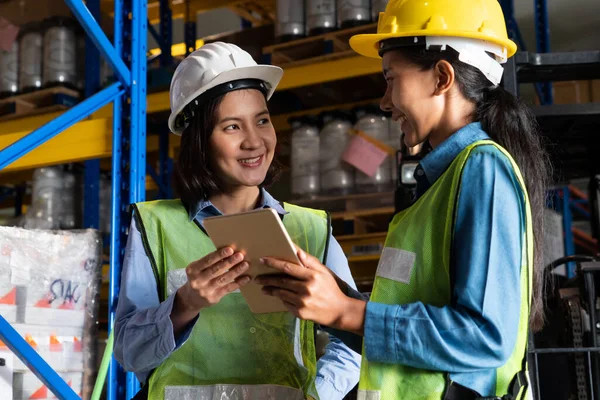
325	47
39	102
355	214
258	12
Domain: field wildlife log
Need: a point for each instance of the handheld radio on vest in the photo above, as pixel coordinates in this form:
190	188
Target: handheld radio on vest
408	159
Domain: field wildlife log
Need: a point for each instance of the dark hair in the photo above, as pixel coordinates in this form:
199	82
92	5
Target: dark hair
195	179
511	124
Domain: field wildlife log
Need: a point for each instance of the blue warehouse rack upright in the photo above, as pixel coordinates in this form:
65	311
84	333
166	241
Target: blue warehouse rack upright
127	57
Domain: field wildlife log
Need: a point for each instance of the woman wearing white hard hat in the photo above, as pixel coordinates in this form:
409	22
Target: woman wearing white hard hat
458	284
181	326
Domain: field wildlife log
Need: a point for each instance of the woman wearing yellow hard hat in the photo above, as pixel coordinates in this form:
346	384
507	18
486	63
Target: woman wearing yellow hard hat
458	285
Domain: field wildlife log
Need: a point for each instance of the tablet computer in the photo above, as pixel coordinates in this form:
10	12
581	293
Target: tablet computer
258	233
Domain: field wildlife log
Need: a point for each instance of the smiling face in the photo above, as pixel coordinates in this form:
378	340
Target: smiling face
412	98
243	141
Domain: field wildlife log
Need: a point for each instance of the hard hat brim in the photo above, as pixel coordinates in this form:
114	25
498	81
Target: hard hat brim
267	73
368	44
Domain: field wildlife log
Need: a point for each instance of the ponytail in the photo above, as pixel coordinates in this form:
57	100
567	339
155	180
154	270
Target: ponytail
512	125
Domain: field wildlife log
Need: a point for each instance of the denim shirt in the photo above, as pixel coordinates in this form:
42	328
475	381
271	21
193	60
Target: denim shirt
144	332
477	332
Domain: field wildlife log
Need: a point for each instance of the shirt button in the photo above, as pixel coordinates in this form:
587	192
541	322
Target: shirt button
420	172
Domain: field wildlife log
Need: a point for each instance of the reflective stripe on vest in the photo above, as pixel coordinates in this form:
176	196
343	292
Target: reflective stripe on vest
233	392
229	344
415	267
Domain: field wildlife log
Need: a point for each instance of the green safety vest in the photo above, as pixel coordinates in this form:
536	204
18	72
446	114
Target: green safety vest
415	267
231	351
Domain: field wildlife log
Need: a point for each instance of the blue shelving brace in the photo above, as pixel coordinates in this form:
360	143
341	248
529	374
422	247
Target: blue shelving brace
542	38
127	57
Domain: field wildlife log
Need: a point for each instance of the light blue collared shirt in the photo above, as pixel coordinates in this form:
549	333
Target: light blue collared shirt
144	332
477	332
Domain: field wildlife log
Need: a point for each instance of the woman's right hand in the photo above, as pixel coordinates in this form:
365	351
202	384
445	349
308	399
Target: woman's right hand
208	280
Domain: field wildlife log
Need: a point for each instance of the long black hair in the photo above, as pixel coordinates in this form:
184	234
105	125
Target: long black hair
511	124
195	178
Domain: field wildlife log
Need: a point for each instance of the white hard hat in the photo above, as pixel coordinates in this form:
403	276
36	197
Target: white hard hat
222	67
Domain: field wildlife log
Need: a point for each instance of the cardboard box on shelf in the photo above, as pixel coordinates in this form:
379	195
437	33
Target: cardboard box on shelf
596	90
572	92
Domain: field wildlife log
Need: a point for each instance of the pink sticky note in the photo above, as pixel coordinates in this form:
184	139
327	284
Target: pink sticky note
363	155
8	34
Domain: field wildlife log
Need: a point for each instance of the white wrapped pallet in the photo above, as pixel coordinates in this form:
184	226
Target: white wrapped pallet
27	386
60	347
57	278
8	295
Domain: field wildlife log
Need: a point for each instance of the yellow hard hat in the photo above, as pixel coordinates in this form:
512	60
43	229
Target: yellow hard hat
472	19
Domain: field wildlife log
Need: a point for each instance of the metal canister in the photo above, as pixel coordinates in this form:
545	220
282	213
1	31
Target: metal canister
353	13
46	200
305	156
80	57
320	16
395	132
372	121
9	61
30	57
68	219
290	20
377	6
336	175
60	52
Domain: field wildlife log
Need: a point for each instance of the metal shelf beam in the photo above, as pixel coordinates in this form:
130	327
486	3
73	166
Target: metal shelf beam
130	29
565	66
24	145
97	35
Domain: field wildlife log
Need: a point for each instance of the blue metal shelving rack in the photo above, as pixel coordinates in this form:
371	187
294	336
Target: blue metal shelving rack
127	57
542	38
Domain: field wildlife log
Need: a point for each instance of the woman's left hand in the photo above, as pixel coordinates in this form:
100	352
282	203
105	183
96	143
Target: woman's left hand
310	291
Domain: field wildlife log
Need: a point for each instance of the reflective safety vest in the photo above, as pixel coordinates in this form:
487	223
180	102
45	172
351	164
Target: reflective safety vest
415	267
231	351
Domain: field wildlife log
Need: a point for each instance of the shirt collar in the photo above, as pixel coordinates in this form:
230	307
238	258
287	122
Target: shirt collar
433	165
205	208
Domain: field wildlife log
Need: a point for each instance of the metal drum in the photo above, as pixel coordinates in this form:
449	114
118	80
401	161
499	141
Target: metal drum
80	57
60	61
68	218
377	6
336	175
395	132
320	16
305	156
30	58
9	70
46	200
353	13
374	123
290	20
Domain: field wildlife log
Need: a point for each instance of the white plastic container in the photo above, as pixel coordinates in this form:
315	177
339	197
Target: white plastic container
290	23
9	71
353	13
374	123
320	16
336	175
305	157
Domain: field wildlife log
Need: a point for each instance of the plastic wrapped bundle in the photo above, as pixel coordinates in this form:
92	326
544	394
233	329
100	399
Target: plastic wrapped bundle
49	290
